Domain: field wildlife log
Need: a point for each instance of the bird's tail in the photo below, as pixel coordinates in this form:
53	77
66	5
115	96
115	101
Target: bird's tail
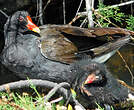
104	52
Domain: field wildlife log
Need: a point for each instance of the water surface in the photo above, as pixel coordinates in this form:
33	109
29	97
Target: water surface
117	67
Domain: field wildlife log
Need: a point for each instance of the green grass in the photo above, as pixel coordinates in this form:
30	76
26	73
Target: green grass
25	101
15	101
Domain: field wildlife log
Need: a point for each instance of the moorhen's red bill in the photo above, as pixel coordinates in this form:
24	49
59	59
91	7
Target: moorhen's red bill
31	25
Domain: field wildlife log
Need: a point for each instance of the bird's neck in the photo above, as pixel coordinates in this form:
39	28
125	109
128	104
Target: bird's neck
10	33
10	38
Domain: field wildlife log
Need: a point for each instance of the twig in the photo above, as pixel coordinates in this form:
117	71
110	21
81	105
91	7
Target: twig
126	85
37	10
4	13
40	12
64	12
56	100
113	6
126	65
132	11
74	19
97	13
89	4
46	5
84	21
76	16
53	91
43	10
35	82
79	7
117	5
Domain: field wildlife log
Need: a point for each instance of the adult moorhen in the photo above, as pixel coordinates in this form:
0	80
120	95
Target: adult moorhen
23	56
98	86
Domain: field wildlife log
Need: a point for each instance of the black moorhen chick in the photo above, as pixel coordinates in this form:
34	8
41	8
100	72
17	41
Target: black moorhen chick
23	56
97	85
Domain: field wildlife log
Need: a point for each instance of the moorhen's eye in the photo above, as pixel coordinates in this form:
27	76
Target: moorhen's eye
21	18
